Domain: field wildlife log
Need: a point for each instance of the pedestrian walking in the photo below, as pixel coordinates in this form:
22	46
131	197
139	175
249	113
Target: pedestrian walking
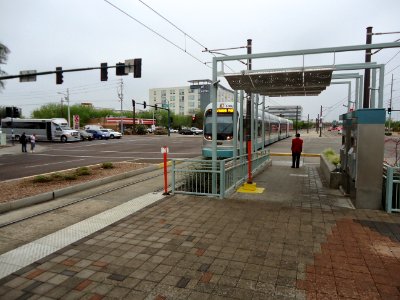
32	139
12	137
23	141
297	148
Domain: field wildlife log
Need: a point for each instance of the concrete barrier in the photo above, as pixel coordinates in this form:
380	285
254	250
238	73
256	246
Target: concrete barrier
328	171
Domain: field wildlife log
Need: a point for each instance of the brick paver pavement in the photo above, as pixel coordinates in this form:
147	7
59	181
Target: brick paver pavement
187	247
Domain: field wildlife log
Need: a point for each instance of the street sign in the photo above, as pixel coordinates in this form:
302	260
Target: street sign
164	150
76	121
27	78
129	63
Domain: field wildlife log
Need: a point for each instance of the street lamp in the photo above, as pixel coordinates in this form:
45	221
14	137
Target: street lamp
67	100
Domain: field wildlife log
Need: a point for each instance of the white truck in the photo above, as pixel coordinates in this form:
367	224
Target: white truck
55	129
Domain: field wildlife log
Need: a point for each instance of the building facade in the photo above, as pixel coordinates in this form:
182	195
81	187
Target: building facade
187	100
288	112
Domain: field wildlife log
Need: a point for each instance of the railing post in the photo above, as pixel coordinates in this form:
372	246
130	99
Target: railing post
173	177
222	179
389	189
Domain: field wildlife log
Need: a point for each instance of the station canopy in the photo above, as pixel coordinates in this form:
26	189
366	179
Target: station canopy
282	83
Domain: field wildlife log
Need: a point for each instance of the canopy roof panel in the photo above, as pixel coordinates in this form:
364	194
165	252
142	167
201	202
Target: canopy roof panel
283	82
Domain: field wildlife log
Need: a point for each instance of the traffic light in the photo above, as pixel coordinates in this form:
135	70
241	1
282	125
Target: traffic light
193	118
133	103
16	112
59	75
120	69
155	106
137	68
389	110
144	104
103	72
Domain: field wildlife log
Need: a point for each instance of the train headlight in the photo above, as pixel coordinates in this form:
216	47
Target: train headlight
229	137
208	137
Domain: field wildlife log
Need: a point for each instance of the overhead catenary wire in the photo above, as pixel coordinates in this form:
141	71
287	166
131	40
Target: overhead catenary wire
156	33
186	34
164	18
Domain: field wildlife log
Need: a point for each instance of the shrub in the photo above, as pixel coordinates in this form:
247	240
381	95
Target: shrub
83	171
160	131
42	179
332	157
70	176
107	165
56	176
141	129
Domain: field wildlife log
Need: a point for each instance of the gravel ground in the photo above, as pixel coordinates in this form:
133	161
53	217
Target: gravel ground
21	188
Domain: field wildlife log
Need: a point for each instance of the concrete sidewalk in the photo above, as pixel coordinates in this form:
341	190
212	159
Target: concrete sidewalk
297	240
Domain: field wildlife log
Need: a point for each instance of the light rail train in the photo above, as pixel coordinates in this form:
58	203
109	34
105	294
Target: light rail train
275	129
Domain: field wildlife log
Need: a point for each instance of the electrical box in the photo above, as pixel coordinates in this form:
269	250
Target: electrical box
362	156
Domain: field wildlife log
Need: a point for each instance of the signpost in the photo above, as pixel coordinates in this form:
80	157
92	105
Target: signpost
75	122
164	151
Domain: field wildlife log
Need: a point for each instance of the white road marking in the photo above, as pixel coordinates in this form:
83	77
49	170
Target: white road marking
49	164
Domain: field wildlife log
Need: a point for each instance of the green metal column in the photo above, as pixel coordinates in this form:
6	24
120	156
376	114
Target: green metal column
389	189
372	92
213	95
241	136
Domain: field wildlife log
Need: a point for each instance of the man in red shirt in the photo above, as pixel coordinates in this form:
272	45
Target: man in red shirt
297	148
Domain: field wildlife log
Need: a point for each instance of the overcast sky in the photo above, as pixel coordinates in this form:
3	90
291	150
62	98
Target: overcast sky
45	34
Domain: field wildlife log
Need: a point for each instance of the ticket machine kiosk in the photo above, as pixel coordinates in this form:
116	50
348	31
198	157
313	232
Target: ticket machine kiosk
362	156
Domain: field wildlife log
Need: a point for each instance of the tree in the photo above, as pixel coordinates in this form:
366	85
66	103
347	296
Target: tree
56	110
4	51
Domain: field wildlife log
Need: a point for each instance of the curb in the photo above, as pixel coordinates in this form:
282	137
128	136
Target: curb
28	201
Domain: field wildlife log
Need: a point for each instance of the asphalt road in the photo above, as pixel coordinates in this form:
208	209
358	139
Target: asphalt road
51	157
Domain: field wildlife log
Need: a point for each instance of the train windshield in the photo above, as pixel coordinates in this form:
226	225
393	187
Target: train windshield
224	125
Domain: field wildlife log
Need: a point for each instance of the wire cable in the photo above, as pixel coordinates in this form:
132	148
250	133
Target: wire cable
156	33
161	16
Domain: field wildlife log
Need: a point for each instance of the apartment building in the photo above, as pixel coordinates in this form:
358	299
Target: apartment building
187	100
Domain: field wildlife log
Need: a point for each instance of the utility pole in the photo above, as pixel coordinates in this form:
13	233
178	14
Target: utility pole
367	72
320	123
390	105
121	99
69	112
62	100
66	97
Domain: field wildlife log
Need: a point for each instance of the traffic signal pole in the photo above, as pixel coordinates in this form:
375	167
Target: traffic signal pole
137	67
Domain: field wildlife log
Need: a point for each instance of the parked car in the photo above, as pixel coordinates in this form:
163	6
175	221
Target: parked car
85	135
196	130
99	134
113	134
185	131
171	130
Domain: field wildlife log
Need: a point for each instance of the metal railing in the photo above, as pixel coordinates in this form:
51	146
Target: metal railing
198	177
391	188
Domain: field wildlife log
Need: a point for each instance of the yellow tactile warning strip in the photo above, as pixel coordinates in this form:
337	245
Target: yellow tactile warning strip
355	262
250	188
